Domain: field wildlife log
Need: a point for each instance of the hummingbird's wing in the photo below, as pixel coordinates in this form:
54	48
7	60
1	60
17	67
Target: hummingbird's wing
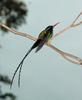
44	36
40	45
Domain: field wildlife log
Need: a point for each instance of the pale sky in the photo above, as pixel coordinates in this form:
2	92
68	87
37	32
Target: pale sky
45	75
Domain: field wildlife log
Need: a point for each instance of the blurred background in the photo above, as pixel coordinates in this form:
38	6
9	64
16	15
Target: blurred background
45	75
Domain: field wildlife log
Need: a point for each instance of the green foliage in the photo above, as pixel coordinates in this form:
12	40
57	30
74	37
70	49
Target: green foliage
5	79
12	13
4	96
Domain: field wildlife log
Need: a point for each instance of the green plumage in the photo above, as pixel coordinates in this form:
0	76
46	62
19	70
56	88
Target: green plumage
44	36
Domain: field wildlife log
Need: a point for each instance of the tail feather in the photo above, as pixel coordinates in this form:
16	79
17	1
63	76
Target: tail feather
34	46
19	66
21	63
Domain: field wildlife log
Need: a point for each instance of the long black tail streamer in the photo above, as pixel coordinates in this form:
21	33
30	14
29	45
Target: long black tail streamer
19	66
21	63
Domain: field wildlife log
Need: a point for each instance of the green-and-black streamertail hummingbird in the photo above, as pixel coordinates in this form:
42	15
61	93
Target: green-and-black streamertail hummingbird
43	38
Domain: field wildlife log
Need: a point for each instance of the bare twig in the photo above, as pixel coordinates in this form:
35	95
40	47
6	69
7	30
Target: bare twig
74	22
18	33
67	56
72	25
65	29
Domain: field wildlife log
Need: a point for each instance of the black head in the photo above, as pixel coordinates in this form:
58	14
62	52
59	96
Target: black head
49	28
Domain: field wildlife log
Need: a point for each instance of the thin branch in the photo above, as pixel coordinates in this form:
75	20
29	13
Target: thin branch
18	33
72	25
63	30
67	56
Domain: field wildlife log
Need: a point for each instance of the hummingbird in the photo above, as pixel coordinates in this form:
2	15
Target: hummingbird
43	38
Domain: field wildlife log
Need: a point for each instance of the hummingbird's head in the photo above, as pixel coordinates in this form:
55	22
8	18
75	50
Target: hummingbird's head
50	27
